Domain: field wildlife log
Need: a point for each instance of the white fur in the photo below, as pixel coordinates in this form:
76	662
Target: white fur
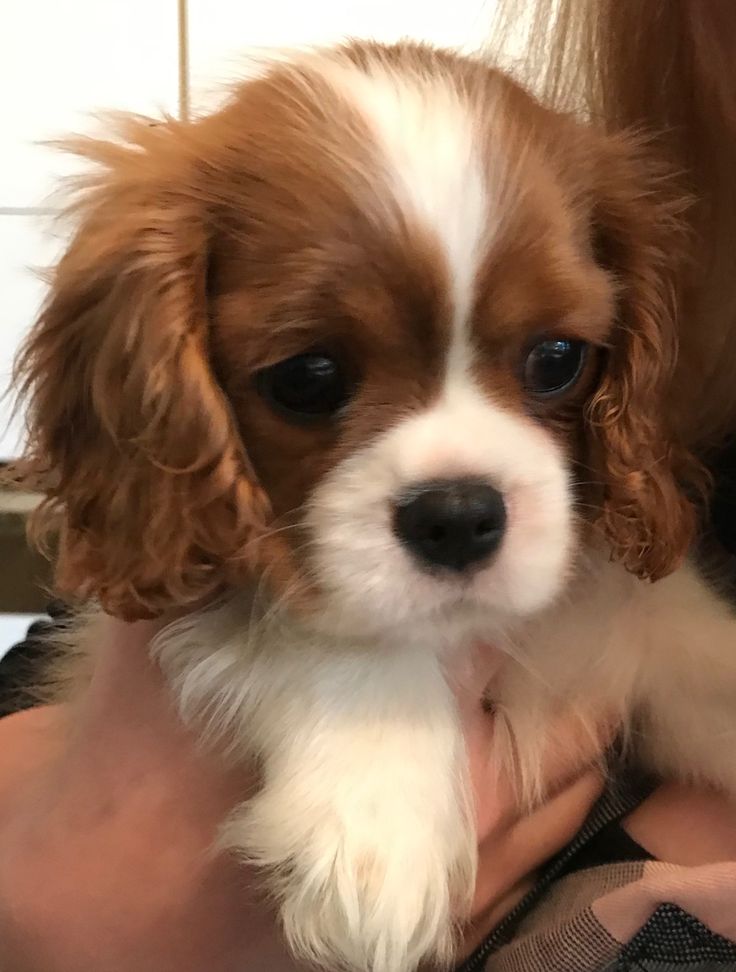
373	582
363	815
427	139
362	820
659	659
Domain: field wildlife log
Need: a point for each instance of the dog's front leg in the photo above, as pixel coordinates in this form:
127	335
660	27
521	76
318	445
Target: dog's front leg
363	820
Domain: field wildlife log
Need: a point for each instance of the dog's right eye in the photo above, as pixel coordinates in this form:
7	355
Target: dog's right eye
307	386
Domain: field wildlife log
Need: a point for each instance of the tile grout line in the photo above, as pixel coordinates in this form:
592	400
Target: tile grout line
27	211
183	48
183	104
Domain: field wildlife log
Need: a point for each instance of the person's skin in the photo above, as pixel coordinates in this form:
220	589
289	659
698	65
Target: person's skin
108	812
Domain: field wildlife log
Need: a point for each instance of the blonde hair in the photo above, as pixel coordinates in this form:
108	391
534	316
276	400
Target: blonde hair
665	67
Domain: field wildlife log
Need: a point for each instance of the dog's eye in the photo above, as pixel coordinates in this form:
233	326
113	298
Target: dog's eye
553	366
306	386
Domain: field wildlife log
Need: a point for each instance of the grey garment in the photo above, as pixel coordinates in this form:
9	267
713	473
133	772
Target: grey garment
674	941
626	790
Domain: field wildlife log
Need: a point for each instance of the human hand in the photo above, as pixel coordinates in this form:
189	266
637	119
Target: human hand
109	811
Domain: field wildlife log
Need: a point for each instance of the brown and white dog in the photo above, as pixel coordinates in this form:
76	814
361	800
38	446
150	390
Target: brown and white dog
360	370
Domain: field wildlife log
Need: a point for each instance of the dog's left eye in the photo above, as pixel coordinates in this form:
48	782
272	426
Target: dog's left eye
306	386
553	366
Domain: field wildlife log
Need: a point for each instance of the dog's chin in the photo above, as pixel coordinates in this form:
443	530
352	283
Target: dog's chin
436	610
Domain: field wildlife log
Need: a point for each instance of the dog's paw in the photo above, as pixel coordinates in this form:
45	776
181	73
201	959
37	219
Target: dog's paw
362	886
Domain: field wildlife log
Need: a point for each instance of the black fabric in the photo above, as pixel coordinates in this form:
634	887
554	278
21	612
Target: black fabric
674	941
715	552
22	667
612	845
723	506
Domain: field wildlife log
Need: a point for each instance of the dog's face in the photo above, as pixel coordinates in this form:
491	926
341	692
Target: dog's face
382	331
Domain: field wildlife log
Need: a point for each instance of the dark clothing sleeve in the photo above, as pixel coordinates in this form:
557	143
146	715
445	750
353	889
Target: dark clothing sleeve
21	668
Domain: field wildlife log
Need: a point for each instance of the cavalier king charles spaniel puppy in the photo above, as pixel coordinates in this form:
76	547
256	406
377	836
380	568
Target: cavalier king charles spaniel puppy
360	371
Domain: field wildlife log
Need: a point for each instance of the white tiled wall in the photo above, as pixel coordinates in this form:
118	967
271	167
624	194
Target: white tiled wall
61	60
28	244
13	628
220	30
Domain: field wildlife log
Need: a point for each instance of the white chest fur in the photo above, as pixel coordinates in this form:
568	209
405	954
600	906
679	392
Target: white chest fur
363	818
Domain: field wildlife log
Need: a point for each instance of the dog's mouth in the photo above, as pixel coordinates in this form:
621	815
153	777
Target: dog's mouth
458	616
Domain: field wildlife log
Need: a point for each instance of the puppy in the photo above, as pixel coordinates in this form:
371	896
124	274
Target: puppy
363	369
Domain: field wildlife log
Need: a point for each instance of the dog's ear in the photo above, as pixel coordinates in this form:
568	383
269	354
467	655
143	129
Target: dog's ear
129	435
649	480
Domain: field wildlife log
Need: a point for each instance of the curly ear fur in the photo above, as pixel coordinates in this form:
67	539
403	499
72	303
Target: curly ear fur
133	442
130	437
650	481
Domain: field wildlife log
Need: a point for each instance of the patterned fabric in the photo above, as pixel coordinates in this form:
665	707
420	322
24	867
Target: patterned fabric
604	905
672	938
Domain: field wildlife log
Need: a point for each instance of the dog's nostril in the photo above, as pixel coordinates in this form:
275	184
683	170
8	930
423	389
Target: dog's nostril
455	524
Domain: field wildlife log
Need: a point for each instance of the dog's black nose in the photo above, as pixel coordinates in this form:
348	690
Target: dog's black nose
454	524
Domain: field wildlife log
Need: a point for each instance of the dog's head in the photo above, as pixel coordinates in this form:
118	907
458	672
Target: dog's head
382	331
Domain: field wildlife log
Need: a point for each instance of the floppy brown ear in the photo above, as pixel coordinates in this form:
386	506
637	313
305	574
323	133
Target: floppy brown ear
130	437
649	480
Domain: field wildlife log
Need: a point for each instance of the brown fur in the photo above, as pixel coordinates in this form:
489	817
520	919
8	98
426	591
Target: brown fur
205	251
666	68
132	441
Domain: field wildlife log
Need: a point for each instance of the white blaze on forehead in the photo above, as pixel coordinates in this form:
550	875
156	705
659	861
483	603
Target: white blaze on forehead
430	160
428	137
